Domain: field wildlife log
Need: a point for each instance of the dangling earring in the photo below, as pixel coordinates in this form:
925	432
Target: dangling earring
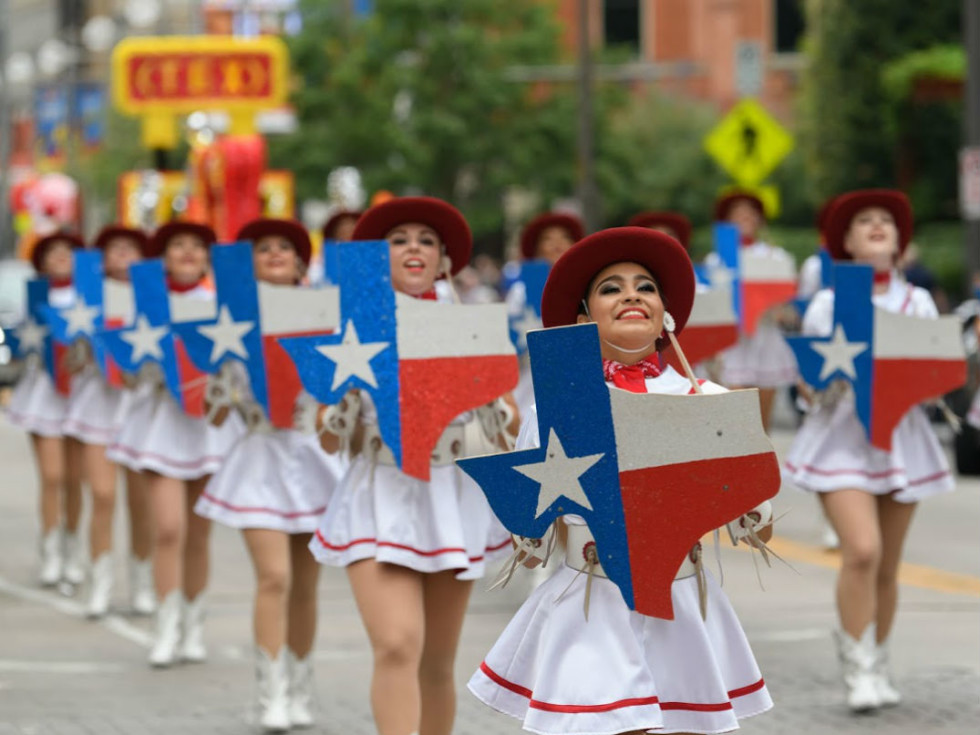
669	324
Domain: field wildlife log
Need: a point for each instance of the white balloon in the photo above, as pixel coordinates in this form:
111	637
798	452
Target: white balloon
19	68
99	33
142	13
52	57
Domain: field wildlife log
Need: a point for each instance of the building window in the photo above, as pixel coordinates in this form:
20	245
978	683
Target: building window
790	24
621	24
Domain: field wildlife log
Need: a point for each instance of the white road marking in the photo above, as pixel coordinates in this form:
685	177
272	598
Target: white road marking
74	668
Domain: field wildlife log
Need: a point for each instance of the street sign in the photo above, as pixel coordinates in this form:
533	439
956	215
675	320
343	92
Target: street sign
748	143
970	183
748	68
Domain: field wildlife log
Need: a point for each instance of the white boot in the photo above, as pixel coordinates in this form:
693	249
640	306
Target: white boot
52	561
887	693
74	571
100	593
141	595
857	659
166	639
192	648
300	690
273	684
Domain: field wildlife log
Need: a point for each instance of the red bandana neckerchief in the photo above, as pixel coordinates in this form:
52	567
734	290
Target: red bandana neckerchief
429	295
631	377
172	285
746	240
882	278
59	282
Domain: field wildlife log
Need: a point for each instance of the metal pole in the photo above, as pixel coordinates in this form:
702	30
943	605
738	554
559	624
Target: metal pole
588	194
6	130
971	39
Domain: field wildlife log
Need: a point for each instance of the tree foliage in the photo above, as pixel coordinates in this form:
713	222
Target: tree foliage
418	97
850	135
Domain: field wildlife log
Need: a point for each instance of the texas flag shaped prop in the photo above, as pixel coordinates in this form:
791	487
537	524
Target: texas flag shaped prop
650	474
533	275
99	302
423	363
711	328
758	281
33	336
149	338
892	361
250	318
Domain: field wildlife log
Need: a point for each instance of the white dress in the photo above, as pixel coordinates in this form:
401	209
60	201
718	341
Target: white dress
156	435
379	512
35	405
281	480
92	414
831	452
620	671
763	360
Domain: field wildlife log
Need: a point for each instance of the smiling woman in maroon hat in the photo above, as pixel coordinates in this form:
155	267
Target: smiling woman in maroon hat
868	494
636	285
94	413
36	407
411	549
177	454
274	486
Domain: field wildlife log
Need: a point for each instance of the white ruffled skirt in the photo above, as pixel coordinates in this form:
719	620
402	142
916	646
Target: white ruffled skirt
93	408
830	452
281	481
35	406
157	436
618	671
381	513
763	360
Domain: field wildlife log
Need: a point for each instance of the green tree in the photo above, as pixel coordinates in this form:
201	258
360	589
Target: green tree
848	133
418	97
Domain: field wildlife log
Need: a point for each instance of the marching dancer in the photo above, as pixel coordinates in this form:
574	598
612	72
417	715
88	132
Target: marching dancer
37	408
608	669
764	360
868	494
95	410
411	548
274	486
177	455
674	224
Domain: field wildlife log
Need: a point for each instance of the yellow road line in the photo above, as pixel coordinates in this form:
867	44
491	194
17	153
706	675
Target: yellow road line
913	575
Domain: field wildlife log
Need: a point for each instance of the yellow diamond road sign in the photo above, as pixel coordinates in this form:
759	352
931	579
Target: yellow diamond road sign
748	143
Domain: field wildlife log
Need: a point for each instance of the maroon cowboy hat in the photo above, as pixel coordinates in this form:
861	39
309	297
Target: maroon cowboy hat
724	203
165	233
846	206
444	218
331	225
287	228
108	233
42	245
533	229
676	221
658	252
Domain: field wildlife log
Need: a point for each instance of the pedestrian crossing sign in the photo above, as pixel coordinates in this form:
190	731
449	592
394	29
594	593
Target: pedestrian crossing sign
748	143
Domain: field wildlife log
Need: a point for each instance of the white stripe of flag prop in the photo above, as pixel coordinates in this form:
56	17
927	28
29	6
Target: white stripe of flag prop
150	339
650	474
251	316
711	328
99	302
758	282
33	336
423	363
892	361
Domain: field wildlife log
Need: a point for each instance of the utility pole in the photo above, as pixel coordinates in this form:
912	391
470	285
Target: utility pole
971	42
588	194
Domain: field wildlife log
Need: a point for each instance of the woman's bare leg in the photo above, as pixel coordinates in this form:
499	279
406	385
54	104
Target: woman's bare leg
169	531
101	474
301	629
140	516
74	473
446	599
49	454
269	551
197	553
390	600
895	519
